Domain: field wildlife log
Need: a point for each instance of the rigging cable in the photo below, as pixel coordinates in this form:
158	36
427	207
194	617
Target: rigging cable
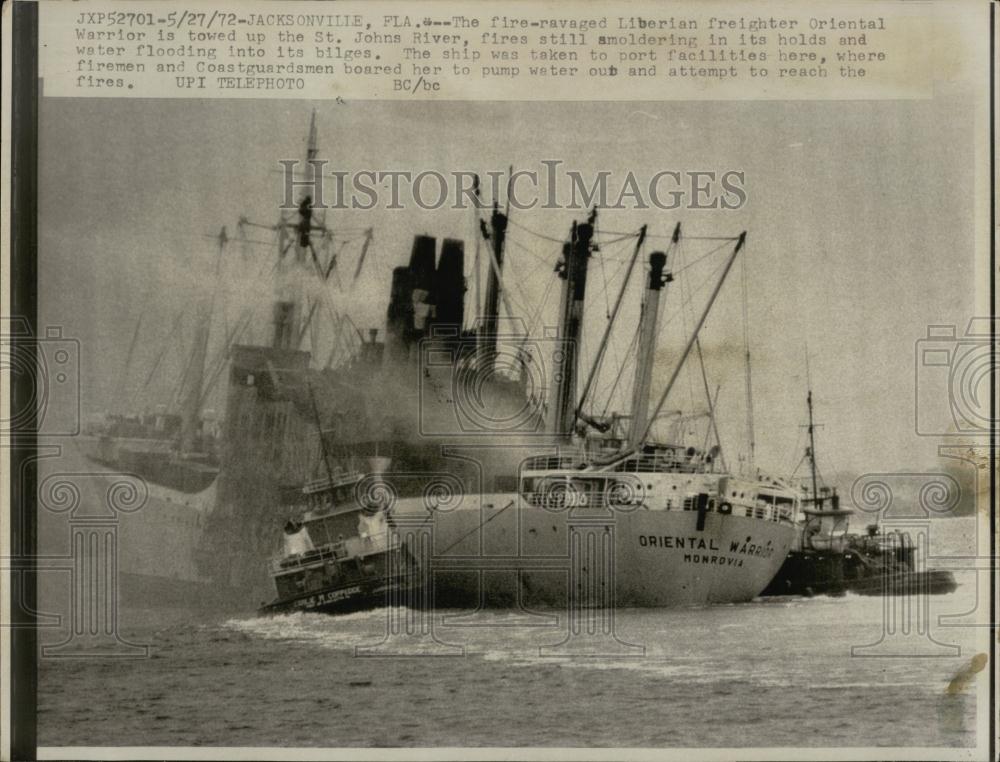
712	403
560	241
159	357
616	358
602	347
701	322
621	369
749	385
687	301
123	381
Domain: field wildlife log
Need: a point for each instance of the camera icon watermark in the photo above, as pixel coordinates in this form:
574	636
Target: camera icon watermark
903	550
498	386
94	504
952	380
47	367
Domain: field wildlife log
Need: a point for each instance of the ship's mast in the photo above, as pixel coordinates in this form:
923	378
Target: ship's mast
612	317
195	379
487	339
812	440
288	304
573	271
812	448
645	353
740	242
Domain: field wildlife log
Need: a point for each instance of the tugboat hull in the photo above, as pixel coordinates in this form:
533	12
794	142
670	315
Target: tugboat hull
932	582
831	573
369	594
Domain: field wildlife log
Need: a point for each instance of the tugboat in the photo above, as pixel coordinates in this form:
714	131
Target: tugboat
338	554
828	560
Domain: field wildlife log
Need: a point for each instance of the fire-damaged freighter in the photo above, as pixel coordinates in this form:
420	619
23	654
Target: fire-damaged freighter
481	462
457	418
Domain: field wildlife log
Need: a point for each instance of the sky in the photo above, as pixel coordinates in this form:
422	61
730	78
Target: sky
858	217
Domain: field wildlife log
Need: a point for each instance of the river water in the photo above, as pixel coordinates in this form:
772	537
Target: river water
772	672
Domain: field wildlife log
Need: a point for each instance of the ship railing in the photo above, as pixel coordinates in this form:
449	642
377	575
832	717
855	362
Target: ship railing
666	460
333	551
662	462
554	462
591	491
339	478
764	510
341	550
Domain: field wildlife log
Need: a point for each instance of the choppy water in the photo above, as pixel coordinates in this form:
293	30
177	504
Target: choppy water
775	672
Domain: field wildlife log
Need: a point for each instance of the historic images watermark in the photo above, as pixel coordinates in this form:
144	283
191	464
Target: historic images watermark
47	366
952	379
551	185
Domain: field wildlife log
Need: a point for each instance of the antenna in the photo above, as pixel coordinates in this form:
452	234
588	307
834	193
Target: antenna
812	440
312	149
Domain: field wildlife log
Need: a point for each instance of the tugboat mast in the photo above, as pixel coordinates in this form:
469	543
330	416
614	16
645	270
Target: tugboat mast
812	445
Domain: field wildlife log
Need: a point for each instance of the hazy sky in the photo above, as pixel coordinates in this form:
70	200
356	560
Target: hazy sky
860	233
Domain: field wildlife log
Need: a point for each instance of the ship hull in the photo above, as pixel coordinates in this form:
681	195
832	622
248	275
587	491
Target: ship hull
151	459
342	599
156	534
496	552
808	573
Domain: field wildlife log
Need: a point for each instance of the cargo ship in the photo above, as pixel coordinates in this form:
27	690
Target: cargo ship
459	413
492	516
679	528
174	452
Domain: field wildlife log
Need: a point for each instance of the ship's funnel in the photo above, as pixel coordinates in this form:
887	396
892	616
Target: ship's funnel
422	257
399	316
422	269
449	289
